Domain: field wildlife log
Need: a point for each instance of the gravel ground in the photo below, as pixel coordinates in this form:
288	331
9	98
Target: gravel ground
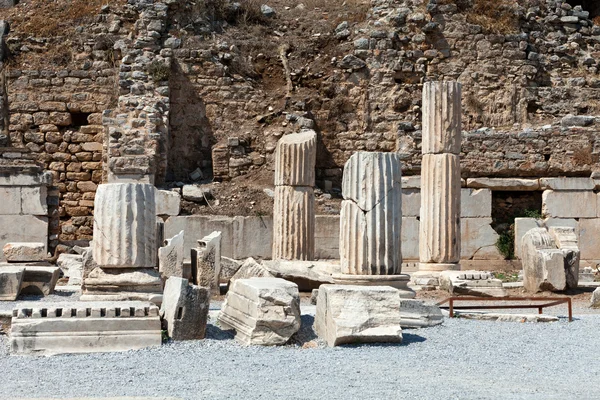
461	359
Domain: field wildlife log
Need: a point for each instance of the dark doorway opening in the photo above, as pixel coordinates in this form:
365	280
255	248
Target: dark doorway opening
79	118
593	6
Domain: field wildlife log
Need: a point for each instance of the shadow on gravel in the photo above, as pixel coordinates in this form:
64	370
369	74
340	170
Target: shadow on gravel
407	338
306	333
216	333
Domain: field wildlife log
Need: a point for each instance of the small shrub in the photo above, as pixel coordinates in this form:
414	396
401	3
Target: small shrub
159	71
506	243
537	214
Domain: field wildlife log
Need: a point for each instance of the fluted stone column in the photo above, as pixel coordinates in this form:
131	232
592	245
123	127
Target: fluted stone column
294	208
124	247
371	222
439	234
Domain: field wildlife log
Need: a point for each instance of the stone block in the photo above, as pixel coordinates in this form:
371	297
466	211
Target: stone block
263	311
25	252
522	226
27	179
84	327
168	202
72	267
39	280
140	280
198	193
411	182
504	184
595	301
206	262
348	314
252	237
185	309
295	159
229	267
566	240
170	257
589	232
308	275
473	283
250	269
478	240
11	200
327	237
560	184
411	203
294	223
10	282
125	226
441	117
410	238
33	200
417	314
569	204
476	203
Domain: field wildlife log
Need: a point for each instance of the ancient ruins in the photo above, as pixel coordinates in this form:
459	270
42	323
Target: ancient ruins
295	174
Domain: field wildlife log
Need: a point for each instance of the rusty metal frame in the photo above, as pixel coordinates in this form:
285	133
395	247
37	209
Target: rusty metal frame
549	302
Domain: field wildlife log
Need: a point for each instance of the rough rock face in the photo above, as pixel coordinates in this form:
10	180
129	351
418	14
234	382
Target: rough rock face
125	226
250	269
72	267
546	267
185	309
40	280
417	314
170	257
24	252
206	262
308	275
263	311
371	215
358	314
474	283
595	302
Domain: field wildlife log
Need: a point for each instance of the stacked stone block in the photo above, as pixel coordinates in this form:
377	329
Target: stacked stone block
439	238
294	209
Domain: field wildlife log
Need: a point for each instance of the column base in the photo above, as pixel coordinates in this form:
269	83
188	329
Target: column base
439	267
399	282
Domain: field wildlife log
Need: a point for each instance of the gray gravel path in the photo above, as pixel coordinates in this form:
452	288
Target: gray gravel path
461	359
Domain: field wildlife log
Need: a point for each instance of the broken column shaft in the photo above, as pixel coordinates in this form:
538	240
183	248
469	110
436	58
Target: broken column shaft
439	234
294	208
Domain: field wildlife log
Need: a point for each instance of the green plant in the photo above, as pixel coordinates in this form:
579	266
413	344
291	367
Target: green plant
506	277
537	214
159	71
506	243
164	335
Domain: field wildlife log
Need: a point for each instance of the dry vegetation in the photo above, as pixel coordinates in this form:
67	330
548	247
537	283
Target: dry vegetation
494	16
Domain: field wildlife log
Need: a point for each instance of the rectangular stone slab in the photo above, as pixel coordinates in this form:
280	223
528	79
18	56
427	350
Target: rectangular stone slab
40	280
10	282
84	327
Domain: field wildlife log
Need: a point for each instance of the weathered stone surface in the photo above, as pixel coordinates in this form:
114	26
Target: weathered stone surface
59	328
72	267
113	280
125	226
294	223
198	193
263	311
168	202
487	316
589	232
10	282
39	280
439	238
411	182
441	117
411	203
251	269
575	120
308	275
34	200
522	226
24	252
229	267
506	184
478	240
559	184
295	159
198	226
474	283
410	239
327	237
371	215
252	237
185	309
417	314
566	240
595	301
206	262
11	200
569	204
170	257
358	314
543	264
476	203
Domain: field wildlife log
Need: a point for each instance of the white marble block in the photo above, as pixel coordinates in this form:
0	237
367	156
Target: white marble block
170	257
125	226
263	311
441	117
358	314
295	159
439	237
294	223
25	252
185	309
371	215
